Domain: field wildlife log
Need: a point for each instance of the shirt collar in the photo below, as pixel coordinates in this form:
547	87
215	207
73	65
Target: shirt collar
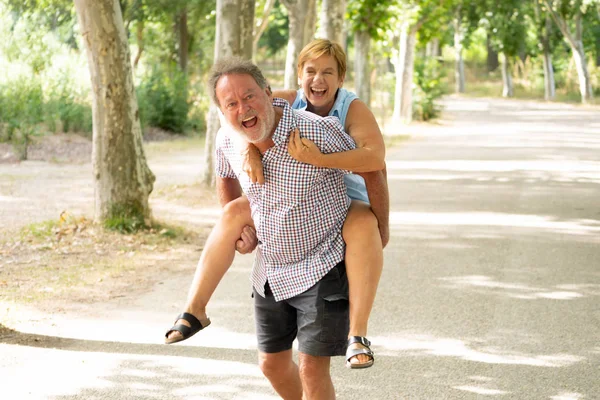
337	105
286	124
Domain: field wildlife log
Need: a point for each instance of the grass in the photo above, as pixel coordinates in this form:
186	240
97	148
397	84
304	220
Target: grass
183	143
74	260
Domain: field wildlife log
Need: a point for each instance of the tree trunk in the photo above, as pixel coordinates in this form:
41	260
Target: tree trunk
507	84
140	42
297	17
212	127
362	83
585	82
459	68
261	25
122	180
492	56
331	20
310	26
404	74
576	43
235	23
598	48
432	49
183	39
549	81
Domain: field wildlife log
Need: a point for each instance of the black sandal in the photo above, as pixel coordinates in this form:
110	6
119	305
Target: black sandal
186	331
355	352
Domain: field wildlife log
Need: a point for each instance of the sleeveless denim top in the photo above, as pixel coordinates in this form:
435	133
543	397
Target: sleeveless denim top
355	184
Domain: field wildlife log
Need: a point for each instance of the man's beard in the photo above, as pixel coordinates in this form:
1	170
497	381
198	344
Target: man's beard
266	127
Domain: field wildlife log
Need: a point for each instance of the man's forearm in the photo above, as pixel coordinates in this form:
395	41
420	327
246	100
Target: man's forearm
379	198
228	189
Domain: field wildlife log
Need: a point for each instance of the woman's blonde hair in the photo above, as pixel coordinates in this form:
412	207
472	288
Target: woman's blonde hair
319	47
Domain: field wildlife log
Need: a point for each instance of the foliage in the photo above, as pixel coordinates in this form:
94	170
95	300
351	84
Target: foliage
275	36
162	98
125	218
371	16
428	89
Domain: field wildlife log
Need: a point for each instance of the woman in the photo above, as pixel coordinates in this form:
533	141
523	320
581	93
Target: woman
321	72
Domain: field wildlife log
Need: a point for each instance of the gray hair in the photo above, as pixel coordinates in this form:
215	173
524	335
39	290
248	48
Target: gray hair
230	66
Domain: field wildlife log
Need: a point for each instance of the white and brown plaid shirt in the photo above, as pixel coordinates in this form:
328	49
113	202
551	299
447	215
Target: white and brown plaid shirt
300	209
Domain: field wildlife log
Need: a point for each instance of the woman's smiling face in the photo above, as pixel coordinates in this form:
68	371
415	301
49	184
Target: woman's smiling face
320	81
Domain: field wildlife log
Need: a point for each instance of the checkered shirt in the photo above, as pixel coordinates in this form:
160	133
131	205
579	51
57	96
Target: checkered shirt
300	209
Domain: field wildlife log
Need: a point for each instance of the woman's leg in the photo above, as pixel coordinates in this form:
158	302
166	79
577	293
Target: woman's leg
216	258
364	262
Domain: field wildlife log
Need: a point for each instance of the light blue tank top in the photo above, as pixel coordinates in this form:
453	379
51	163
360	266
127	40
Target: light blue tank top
355	184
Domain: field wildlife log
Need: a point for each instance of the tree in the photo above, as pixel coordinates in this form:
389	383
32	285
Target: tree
331	20
261	24
545	35
412	17
369	21
568	16
235	23
297	10
506	23
465	20
310	25
122	179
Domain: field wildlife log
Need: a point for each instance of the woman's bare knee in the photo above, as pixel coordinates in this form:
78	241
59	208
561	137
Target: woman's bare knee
360	220
237	212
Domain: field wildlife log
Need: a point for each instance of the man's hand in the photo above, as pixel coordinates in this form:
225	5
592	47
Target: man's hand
248	241
252	164
304	150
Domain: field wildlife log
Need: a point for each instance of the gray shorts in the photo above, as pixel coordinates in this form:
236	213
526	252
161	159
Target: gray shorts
318	317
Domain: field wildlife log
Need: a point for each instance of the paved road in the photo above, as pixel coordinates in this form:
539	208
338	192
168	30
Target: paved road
491	285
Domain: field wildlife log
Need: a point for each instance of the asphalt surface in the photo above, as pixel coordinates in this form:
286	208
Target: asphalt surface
491	284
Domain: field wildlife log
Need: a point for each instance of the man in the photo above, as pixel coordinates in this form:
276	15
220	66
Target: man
300	287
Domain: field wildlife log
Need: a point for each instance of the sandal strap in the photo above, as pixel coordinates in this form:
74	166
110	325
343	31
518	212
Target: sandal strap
355	352
359	339
195	324
187	331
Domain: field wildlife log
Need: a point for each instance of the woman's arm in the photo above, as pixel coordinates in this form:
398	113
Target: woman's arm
287	95
369	154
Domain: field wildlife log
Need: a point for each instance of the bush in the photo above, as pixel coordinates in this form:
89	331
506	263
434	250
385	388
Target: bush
163	100
63	104
21	111
428	89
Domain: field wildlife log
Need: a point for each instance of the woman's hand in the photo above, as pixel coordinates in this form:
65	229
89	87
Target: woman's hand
252	164
304	150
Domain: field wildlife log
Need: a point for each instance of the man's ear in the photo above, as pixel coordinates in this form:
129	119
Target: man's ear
269	92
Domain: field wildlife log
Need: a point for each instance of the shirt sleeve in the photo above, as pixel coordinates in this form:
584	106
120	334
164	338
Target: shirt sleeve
336	140
222	167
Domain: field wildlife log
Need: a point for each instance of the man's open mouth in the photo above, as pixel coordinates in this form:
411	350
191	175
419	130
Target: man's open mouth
249	122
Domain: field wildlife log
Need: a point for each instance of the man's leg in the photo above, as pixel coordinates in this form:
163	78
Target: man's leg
316	378
282	372
322	331
276	329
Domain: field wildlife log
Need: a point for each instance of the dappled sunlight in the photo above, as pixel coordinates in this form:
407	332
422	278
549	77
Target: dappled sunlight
95	375
136	327
520	290
415	345
496	166
541	223
204	216
567	396
480	390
